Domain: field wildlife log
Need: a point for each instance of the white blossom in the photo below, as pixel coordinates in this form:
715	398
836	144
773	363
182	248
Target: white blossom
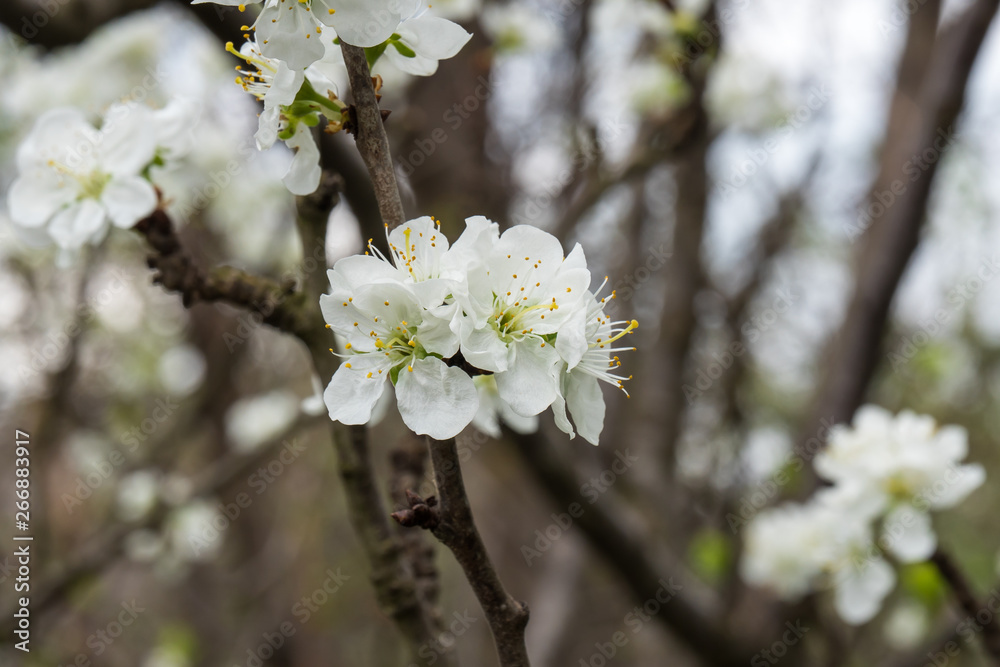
280	87
888	472
906	464
524	294
586	363
509	310
292	30
75	179
390	332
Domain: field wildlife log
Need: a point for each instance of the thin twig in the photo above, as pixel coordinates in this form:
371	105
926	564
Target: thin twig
373	144
450	519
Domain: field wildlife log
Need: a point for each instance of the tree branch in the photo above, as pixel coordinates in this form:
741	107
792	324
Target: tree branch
392	575
369	132
691	616
895	233
452	523
968	601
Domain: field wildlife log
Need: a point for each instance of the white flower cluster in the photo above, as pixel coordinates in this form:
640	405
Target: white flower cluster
433	315
75	178
888	472
295	58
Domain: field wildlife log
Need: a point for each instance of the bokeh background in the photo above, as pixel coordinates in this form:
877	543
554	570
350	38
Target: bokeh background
720	162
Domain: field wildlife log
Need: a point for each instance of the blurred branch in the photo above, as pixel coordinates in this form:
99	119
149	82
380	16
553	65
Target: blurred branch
968	601
369	132
922	119
408	461
392	575
692	616
101	551
452	523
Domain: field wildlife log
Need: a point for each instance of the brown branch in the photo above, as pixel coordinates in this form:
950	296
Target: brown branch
921	118
369	132
100	552
451	522
173	268
392	575
408	462
968	601
692	616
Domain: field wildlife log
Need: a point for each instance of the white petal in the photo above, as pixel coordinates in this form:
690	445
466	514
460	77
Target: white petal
952	442
958	484
433	37
561	418
360	22
63	135
435	335
360	270
351	395
75	226
859	595
483	349
128	139
268	125
128	200
435	399
571	342
530	384
908	534
227	3
304	173
36	196
284	86
175	125
416	65
586	404
281	33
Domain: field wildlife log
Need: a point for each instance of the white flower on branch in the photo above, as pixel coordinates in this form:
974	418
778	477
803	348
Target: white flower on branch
520	313
888	473
907	465
292	106
291	30
76	180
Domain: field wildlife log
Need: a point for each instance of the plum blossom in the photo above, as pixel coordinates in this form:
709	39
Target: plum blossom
586	365
292	106
490	327
795	549
518	300
291	30
888	472
907	465
392	335
76	180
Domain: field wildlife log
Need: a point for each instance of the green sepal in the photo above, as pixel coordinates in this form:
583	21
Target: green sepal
404	50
